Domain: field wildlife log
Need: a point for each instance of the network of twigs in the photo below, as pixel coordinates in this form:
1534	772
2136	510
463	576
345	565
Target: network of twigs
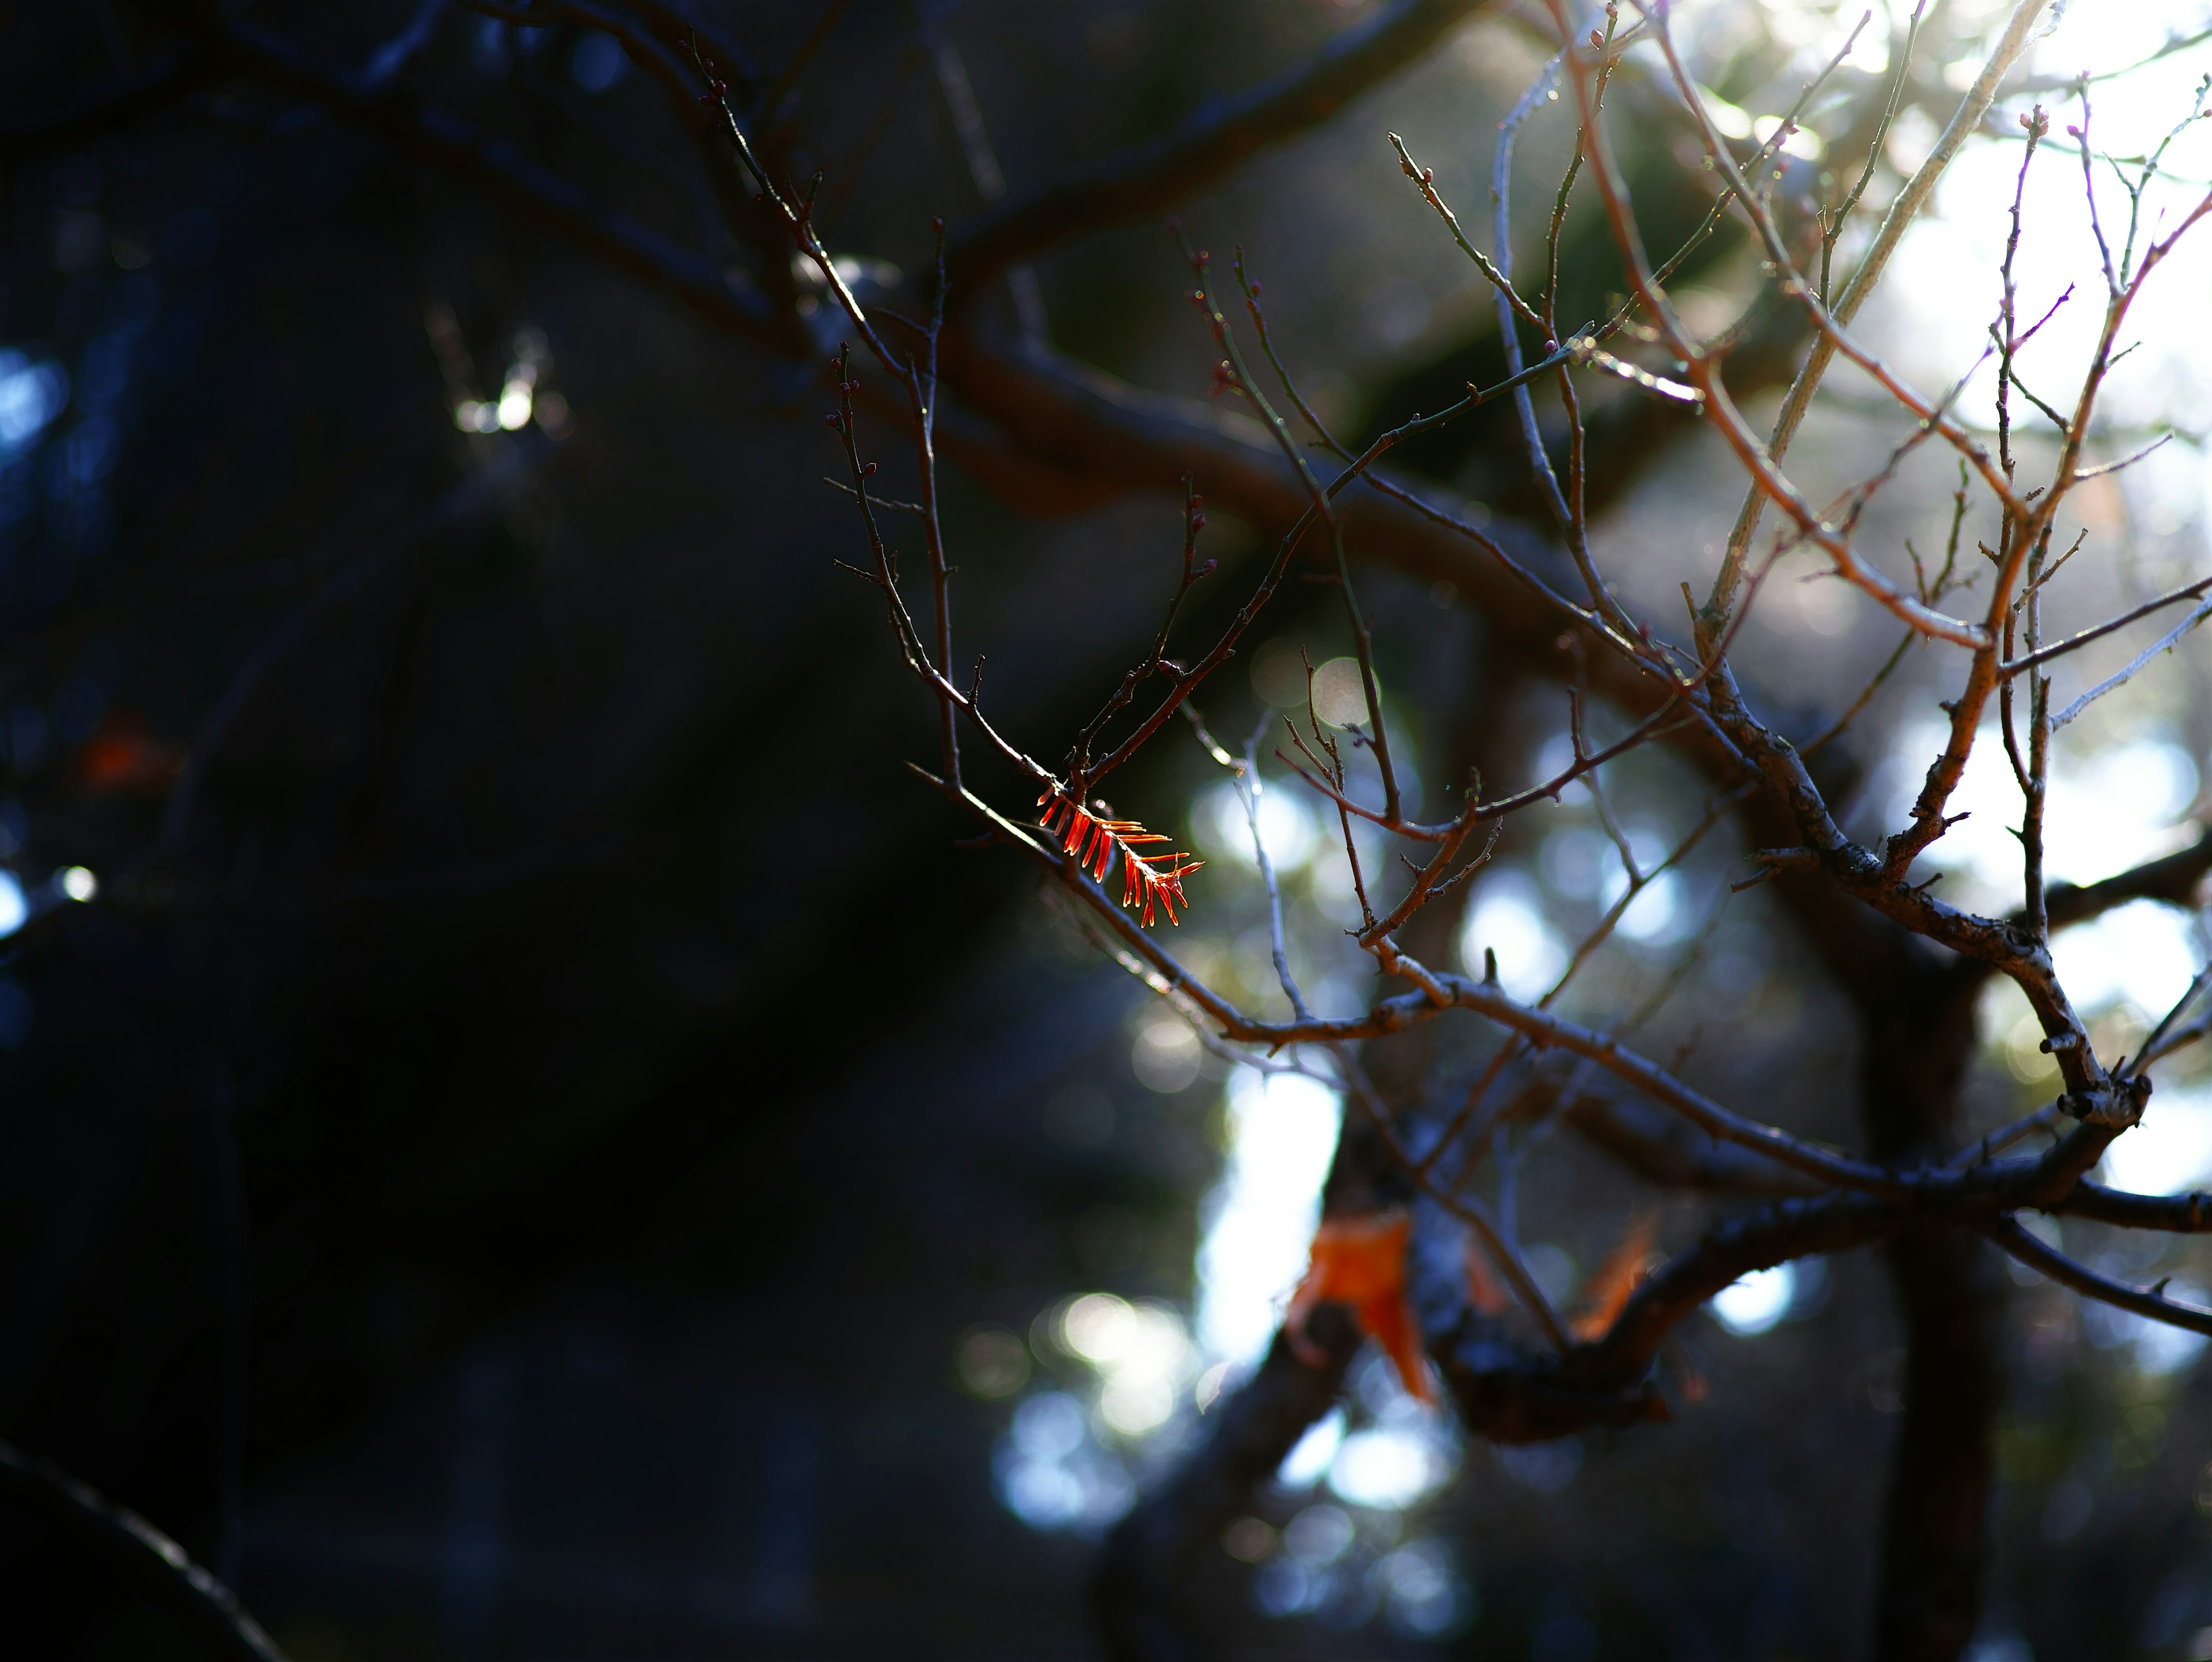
1691	694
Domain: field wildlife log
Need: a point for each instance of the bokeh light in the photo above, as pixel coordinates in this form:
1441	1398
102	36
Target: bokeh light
1507	918
1260	1217
1757	1301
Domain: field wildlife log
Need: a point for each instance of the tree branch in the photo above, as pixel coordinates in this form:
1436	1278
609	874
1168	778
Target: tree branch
1143	1592
1659	1149
2140	1301
2175	879
1215	139
2179	1215
149	1561
493	166
167	84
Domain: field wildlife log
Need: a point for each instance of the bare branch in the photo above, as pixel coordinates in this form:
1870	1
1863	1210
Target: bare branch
2165	643
1655	1146
2059	649
153	1566
2173	877
444	142
1219	138
2180	1214
2129	460
2150	1045
2137	1300
164	86
1903	209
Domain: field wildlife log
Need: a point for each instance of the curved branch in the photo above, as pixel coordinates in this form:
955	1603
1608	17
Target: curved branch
159	88
1441	991
155	1566
1218	137
2147	1302
493	165
1774	1234
1657	1148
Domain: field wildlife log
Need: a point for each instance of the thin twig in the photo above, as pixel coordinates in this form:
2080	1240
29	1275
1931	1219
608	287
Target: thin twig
2137	1300
2164	643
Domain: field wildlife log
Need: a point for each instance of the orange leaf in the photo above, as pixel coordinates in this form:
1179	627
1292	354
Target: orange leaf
1484	1289
1361	1262
1093	840
1606	1291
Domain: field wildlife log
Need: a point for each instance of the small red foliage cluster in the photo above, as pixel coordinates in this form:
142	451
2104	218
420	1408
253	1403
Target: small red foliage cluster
1094	840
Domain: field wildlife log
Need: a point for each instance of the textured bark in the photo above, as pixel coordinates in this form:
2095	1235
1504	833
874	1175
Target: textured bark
1936	1537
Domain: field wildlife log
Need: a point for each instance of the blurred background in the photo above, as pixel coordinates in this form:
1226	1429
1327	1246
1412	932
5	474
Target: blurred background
522	1136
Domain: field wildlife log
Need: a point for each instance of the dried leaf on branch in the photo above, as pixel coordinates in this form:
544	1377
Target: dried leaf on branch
1361	1262
1606	1292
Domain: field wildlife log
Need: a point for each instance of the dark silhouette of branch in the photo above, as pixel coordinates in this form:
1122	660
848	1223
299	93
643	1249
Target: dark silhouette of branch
1219	138
2181	1214
2148	1301
180	72
1661	1150
448	144
1154	1554
2174	878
